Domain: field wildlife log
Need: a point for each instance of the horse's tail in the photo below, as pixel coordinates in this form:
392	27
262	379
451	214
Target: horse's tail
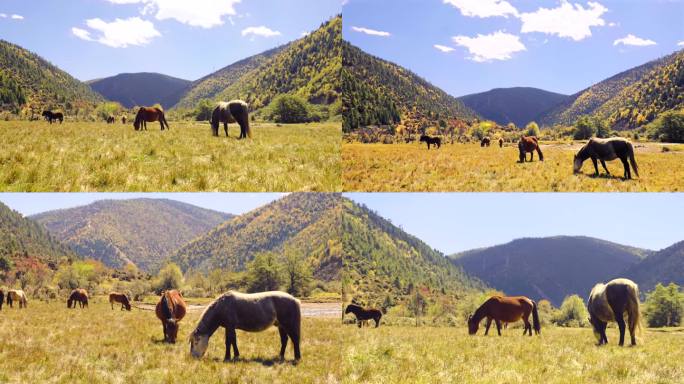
240	112
163	118
166	307
535	318
541	155
632	160
633	310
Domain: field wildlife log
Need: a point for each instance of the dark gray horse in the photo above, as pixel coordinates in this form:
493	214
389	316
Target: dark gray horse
607	150
235	111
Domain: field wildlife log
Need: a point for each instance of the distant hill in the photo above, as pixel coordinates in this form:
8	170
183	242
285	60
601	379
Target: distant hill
307	223
519	105
131	89
138	231
40	84
665	266
549	268
377	92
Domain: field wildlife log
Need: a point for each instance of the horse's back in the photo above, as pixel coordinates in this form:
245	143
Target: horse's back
257	311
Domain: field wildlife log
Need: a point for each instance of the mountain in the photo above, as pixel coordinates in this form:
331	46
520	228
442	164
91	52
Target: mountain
32	79
139	89
306	223
519	105
664	266
378	92
549	268
138	231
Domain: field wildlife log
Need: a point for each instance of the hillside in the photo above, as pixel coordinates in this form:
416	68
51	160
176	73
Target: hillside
519	105
306	223
138	231
139	89
664	266
377	92
41	84
549	268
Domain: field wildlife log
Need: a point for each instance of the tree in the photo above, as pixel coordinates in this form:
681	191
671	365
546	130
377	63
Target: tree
532	129
289	109
264	273
572	313
668	127
204	110
297	273
169	277
584	129
664	306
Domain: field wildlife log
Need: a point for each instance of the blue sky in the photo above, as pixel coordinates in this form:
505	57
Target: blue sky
454	222
558	45
182	38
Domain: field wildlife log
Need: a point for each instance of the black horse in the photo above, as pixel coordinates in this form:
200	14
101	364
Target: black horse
485	142
235	111
2	298
431	140
52	116
607	149
363	314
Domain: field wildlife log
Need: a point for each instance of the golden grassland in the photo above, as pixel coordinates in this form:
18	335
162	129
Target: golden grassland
392	354
48	343
470	168
76	156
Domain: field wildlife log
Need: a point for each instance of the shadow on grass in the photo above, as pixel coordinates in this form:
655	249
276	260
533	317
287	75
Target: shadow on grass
258	360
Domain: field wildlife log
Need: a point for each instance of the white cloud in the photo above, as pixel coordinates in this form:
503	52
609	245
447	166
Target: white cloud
496	46
17	17
260	31
568	20
633	40
304	34
371	32
443	48
3	15
119	33
483	8
680	44
197	13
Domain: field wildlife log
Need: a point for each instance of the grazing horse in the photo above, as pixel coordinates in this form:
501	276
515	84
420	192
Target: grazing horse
116	297
170	310
607	149
2	298
52	116
529	144
234	111
501	142
609	302
148	115
363	314
485	142
431	140
251	312
123	120
16	295
79	295
111	119
508	310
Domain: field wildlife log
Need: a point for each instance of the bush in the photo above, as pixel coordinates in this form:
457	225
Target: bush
289	109
264	273
204	110
532	129
169	277
668	127
584	129
572	313
664	306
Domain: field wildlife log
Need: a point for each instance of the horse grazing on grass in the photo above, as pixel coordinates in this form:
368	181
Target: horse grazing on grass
123	120
507	310
116	297
53	116
234	111
609	302
252	312
501	142
170	310
17	295
607	149
148	115
529	144
111	119
363	314
79	295
431	140
485	142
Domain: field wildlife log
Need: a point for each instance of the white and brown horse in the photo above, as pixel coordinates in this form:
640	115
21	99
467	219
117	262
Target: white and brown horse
234	111
609	302
606	150
79	295
17	295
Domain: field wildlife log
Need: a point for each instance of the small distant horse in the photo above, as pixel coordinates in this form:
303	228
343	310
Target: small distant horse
431	140
111	119
529	144
123	120
609	302
148	115
234	111
501	142
363	314
53	116
254	312
170	310
485	142
116	297
16	295
79	295
607	149
2	298
508	310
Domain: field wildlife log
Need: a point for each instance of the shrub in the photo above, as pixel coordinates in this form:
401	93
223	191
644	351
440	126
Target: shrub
572	313
289	109
264	273
668	127
584	129
664	306
532	129
169	277
204	109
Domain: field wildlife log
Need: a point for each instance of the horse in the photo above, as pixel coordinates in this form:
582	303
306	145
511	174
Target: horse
148	115
170	310
431	140
609	302
607	149
251	312
508	310
363	314
111	119
16	295
51	116
529	144
231	112
485	142
2	298
78	295
501	142
116	297
123	120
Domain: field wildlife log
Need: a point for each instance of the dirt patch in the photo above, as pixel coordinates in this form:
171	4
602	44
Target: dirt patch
308	309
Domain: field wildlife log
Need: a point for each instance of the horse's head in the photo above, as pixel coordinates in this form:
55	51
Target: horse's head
576	164
172	330
69	301
472	325
348	309
198	344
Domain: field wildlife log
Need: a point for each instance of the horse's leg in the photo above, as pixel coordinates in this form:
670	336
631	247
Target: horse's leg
603	163
498	327
377	321
294	336
593	160
225	128
619	318
487	325
625	164
229	344
531	157
233	336
632	329
283	342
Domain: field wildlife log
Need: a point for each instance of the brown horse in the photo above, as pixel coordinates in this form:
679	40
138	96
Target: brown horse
170	310
79	295
609	302
501	142
123	119
17	295
53	116
529	144
485	142
148	115
116	297
234	111
363	314
508	310
607	149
